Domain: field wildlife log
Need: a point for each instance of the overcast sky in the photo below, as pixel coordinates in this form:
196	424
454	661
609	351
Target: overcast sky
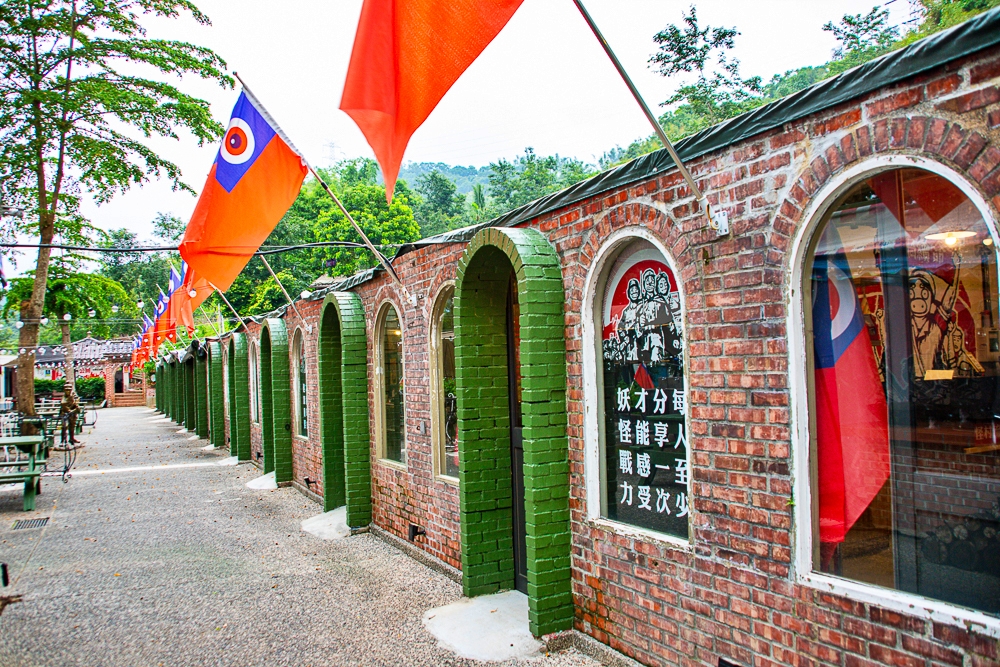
544	82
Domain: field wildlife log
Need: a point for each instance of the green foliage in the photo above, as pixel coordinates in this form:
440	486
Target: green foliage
75	294
464	178
142	274
314	218
440	207
529	177
90	389
721	93
169	227
49	386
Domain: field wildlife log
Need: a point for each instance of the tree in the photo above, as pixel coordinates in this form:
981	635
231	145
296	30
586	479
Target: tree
70	295
71	100
530	176
169	227
857	32
143	274
440	207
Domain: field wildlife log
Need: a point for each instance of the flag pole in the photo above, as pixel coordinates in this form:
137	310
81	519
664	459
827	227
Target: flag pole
378	255
282	287
717	221
226	301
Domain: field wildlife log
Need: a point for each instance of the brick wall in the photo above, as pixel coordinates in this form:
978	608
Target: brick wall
733	592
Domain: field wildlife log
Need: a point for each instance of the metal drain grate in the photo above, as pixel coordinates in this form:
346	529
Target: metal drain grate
21	524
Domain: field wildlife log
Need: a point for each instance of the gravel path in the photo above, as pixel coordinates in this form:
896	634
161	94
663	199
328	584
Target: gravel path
187	566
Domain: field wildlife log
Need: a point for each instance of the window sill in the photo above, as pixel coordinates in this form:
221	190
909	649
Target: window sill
645	534
447	479
905	603
301	438
395	465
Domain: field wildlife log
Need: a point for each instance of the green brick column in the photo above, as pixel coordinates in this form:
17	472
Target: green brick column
484	422
276	391
178	392
217	425
343	396
201	391
190	409
239	397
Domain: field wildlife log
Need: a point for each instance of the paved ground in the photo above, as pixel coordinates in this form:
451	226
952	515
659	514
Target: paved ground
187	566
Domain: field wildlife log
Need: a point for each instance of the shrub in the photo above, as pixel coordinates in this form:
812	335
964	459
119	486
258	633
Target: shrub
90	389
49	386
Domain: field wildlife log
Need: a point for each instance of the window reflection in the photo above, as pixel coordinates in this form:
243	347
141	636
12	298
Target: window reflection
302	395
447	389
905	343
392	387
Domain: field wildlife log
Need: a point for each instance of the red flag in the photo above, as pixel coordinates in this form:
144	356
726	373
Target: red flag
406	56
191	294
852	419
256	177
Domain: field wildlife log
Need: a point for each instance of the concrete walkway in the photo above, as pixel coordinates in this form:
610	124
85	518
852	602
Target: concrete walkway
185	565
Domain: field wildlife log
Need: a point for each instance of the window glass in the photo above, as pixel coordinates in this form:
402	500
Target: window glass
446	370
645	443
300	386
254	385
392	387
903	288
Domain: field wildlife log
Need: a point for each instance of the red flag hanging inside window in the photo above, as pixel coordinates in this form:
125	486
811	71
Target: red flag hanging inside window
407	54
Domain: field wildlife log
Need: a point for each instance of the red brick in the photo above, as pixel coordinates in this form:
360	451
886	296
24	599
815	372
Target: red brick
888	656
943	86
985	71
931	650
977	99
902	100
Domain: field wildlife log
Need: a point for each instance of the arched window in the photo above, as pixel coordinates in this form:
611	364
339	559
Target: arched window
901	312
299	368
254	383
640	330
444	410
389	386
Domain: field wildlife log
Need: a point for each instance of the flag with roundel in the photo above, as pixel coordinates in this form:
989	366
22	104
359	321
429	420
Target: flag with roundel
852	427
256	176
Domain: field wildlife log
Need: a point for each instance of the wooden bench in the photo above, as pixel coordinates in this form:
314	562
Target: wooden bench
30	471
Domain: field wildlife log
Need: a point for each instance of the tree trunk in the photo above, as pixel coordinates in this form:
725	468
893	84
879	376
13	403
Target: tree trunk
68	352
31	313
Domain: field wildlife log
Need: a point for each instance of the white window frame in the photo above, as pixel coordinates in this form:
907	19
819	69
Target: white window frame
437	383
379	386
799	392
253	360
593	399
298	348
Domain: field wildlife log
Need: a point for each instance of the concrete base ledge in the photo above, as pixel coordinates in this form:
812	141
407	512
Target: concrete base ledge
304	490
604	654
418	554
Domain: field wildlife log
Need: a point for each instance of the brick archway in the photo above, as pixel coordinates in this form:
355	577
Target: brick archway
482	285
217	422
239	397
276	400
343	398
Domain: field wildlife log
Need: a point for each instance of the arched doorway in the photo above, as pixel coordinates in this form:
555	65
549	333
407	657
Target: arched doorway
511	389
190	415
275	388
343	396
239	398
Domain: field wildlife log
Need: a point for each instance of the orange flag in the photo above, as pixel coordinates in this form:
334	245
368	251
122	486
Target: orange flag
256	177
407	54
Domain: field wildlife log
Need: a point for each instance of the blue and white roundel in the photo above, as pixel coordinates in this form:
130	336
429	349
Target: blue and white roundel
246	137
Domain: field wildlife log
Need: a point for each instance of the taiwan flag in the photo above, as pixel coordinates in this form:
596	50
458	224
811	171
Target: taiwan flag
851	414
256	177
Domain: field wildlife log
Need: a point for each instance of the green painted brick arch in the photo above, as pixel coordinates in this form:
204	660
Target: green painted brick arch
190	410
275	387
217	422
239	397
201	391
343	397
482	282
